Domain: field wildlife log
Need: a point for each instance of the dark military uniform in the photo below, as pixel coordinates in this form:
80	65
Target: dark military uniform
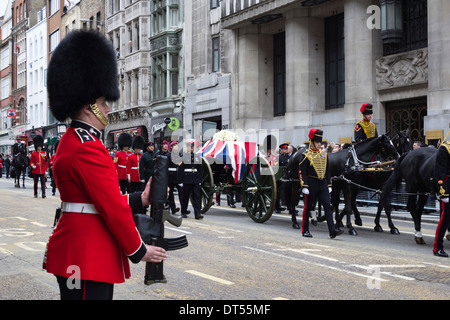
442	174
365	129
146	165
191	175
315	180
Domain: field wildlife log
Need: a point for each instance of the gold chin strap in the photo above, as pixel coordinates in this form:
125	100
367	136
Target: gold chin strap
100	116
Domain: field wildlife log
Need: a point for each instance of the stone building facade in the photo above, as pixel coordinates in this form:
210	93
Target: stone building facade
297	64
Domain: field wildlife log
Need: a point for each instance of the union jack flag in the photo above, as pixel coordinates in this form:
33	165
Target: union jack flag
234	153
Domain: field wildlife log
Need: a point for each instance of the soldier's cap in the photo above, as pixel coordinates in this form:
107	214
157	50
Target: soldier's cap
83	68
284	145
125	140
366	108
38	141
173	143
138	142
315	135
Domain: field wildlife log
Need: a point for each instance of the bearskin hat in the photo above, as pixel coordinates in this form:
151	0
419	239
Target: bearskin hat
138	143
82	68
315	135
366	108
38	141
125	140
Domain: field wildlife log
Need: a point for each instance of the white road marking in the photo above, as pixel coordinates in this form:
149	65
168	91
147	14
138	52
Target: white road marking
315	263
209	277
38	224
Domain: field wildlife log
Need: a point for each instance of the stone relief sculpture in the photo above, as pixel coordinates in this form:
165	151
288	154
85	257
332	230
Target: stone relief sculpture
403	69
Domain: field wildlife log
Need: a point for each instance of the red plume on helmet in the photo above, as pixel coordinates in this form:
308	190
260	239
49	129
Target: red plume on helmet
315	135
366	108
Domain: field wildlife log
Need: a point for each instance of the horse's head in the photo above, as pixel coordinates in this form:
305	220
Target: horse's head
367	150
401	142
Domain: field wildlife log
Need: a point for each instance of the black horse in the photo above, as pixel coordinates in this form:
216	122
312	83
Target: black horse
375	180
20	163
347	165
340	164
416	169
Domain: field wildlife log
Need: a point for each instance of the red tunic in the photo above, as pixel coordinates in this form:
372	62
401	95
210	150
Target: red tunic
98	244
121	160
39	162
133	167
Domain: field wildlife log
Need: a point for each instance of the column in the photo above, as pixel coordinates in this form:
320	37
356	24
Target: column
438	66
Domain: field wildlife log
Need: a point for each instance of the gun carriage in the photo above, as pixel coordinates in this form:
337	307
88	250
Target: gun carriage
235	167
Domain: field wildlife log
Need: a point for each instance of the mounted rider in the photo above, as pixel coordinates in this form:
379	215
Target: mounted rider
365	129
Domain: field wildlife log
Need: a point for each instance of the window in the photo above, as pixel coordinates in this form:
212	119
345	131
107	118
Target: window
279	74
415	28
334	62
215	54
5	58
174	73
214	4
5	88
54	40
54	6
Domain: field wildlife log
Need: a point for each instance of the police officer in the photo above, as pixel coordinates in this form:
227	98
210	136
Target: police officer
95	236
133	165
39	164
121	160
365	129
315	182
191	174
441	175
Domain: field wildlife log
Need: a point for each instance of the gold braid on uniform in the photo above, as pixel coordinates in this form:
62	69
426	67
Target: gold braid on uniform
318	161
446	144
368	127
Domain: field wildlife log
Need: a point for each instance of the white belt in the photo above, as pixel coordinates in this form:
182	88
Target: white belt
190	170
78	207
135	168
172	169
119	165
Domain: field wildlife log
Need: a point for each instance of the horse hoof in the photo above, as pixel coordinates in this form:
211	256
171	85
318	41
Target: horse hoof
378	229
395	231
352	232
419	240
358	222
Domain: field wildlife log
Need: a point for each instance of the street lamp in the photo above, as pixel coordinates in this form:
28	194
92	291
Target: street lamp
391	21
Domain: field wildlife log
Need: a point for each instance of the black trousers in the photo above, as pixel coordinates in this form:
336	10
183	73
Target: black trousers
443	225
136	186
37	177
318	190
171	198
124	186
88	290
188	190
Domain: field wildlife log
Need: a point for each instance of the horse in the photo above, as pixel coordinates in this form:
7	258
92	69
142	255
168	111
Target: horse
346	165
376	180
416	169
338	164
20	163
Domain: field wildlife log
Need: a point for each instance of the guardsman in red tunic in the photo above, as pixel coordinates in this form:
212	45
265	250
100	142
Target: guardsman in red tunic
133	164
39	164
121	161
95	236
